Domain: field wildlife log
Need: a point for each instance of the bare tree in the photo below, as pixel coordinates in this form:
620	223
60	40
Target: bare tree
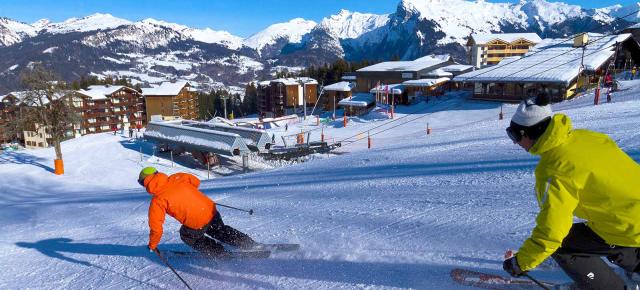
48	103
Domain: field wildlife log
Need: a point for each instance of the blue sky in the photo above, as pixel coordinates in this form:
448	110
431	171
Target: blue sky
240	17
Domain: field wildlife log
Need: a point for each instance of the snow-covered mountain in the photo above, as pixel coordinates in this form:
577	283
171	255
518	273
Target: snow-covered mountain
153	50
288	32
12	31
97	21
206	35
420	27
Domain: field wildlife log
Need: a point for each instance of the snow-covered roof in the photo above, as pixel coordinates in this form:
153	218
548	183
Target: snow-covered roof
507	37
98	92
551	61
339	86
425	82
24	98
437	73
456	67
165	89
358	100
391	89
510	58
264	83
192	137
635	26
296	81
431	57
414	65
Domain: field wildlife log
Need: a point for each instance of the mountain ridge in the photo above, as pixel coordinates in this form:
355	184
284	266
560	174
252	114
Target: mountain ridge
150	49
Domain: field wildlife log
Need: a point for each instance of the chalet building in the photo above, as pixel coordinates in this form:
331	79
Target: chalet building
37	137
396	72
13	105
555	66
391	94
286	96
634	30
490	49
178	99
108	108
334	93
357	105
424	89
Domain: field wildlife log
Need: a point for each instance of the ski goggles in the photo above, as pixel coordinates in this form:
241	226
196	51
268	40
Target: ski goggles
514	135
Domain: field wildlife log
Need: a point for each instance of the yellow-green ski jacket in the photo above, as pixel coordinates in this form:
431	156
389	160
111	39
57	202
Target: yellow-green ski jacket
584	174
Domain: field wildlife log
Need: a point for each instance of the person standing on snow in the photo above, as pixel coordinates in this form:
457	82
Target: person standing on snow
178	196
584	174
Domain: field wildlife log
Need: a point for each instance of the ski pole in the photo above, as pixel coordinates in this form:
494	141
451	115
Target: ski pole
250	211
535	281
172	269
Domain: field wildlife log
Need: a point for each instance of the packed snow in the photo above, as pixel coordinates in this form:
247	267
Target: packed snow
399	215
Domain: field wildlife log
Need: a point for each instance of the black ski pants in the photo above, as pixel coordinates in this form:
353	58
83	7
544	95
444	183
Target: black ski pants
215	231
580	257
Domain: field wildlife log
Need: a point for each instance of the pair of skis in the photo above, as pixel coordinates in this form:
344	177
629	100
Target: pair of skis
498	282
261	251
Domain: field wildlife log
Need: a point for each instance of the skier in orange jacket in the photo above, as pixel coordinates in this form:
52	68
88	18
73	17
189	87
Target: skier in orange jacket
178	196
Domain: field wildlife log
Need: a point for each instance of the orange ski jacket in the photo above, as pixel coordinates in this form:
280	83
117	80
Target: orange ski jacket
177	195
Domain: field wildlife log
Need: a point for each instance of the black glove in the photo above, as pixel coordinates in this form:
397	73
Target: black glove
511	266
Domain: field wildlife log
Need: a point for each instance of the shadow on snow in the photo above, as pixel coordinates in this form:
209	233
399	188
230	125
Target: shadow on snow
14	157
354	273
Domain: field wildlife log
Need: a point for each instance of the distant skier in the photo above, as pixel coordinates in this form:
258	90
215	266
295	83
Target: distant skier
178	195
608	81
581	173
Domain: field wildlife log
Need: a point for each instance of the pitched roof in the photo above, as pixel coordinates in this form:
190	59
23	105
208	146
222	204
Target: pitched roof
437	73
165	89
358	100
507	37
551	61
425	82
391	89
25	98
295	81
456	67
100	92
414	65
339	86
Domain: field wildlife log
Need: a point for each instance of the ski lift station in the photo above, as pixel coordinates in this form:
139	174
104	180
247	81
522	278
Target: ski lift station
206	139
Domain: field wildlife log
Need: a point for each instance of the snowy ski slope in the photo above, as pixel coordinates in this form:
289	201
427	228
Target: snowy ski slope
400	215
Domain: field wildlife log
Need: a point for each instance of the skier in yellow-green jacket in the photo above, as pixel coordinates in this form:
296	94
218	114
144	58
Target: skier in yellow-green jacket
581	174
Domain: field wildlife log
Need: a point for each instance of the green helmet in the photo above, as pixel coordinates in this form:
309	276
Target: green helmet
146	172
